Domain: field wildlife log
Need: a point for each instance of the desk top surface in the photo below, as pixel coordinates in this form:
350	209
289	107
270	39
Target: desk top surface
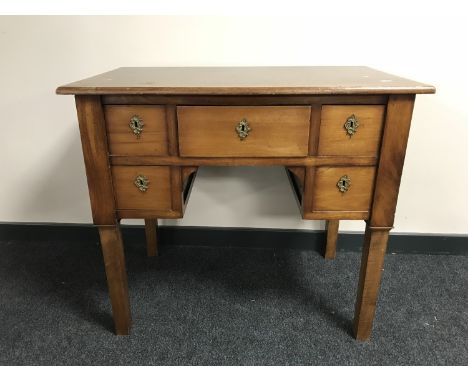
299	80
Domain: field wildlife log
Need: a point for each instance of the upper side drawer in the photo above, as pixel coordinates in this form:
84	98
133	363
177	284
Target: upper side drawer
268	131
337	125
125	122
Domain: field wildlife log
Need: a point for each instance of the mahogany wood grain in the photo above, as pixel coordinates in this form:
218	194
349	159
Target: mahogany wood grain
334	139
332	238
309	172
176	185
122	141
373	253
226	100
239	100
151	232
290	162
309	189
171	118
314	132
392	157
328	197
149	214
95	153
274	80
296	116
336	215
276	131
158	196
114	262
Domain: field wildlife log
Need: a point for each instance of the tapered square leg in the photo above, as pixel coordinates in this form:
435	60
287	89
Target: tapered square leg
114	262
332	238
151	231
375	245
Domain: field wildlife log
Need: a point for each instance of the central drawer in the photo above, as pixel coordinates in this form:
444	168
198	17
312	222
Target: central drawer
241	131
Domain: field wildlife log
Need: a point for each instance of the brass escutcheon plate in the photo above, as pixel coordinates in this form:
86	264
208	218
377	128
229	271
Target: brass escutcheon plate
344	183
351	125
141	182
136	125
243	129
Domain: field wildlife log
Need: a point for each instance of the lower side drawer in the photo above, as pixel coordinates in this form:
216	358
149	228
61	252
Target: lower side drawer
151	191
335	192
343	188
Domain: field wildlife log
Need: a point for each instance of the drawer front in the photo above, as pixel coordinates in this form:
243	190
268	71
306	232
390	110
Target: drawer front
125	140
275	131
155	195
338	139
355	194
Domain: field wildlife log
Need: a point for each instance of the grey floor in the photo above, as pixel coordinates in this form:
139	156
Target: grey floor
227	306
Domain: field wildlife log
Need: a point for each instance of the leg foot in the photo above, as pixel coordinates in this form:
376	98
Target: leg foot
332	237
373	253
151	228
114	262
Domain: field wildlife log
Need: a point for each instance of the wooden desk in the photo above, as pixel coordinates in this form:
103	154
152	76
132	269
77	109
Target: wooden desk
341	133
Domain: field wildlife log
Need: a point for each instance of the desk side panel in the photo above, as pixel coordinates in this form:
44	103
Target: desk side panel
392	157
95	153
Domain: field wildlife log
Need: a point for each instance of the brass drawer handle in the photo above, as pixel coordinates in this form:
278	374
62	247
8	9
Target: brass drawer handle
136	125
351	125
141	182
344	183
243	129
